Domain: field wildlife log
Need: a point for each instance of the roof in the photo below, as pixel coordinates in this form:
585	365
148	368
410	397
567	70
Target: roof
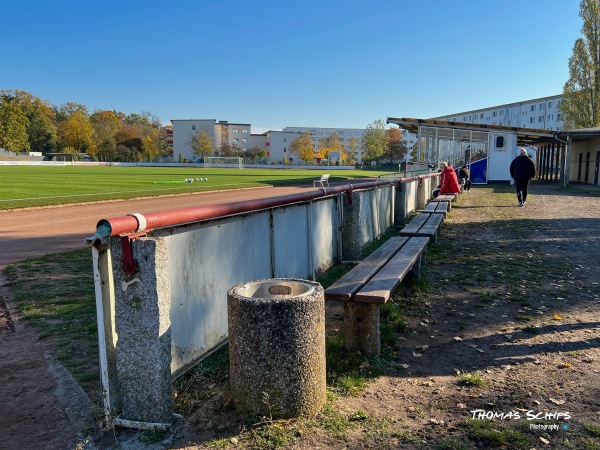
525	136
581	134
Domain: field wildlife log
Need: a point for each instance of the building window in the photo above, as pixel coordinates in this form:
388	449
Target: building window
559	117
542	106
193	127
236	140
245	131
244	139
540	118
481	116
235	130
532	120
532	107
494	114
550	117
284	139
550	104
501	112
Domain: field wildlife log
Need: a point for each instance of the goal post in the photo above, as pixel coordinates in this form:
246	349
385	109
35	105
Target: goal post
234	162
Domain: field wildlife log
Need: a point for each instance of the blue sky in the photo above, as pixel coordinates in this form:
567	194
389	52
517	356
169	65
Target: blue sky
295	63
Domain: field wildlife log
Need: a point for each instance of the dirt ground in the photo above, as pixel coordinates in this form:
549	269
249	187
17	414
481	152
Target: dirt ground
536	344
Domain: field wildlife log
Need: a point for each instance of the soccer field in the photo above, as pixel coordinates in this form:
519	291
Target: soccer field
26	186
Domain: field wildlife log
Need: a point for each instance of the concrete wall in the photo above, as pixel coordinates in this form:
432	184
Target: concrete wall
173	310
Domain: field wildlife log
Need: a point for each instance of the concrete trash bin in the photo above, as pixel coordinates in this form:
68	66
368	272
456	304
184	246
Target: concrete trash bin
277	347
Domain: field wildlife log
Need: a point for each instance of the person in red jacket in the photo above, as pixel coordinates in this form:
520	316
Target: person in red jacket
448	180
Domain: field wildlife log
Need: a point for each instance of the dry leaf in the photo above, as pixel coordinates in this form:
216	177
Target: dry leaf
557	317
563	365
364	365
422	348
403	366
557	402
544	440
417	355
461	406
480	350
457	338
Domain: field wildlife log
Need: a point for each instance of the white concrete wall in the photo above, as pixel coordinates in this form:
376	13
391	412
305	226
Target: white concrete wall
279	145
500	158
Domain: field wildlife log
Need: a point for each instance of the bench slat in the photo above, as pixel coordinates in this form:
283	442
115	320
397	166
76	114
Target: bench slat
381	286
350	284
414	225
431	227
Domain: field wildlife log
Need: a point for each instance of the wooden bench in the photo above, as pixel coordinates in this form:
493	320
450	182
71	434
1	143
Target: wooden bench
445	198
370	284
322	181
424	224
437	208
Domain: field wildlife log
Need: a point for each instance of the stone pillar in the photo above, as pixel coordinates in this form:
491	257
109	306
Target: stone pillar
143	327
361	327
277	347
351	229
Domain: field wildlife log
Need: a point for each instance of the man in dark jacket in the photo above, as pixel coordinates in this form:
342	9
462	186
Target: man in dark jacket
522	169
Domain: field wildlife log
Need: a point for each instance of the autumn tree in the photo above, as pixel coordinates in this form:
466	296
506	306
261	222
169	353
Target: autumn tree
397	148
201	144
106	124
13	126
375	140
77	132
302	146
581	93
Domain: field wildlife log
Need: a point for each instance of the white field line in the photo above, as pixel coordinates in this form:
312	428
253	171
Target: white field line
121	192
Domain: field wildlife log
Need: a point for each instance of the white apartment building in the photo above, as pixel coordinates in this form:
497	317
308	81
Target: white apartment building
542	113
222	131
349	137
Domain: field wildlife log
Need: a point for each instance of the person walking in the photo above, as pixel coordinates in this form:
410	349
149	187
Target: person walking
448	180
522	170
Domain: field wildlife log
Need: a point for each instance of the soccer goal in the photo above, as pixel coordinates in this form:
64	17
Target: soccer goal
224	161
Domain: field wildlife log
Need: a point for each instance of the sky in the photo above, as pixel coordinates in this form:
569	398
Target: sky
340	64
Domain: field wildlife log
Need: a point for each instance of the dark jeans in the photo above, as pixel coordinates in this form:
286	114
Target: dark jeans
521	186
467	185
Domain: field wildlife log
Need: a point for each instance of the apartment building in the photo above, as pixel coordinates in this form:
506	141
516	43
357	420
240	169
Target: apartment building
222	131
350	138
543	113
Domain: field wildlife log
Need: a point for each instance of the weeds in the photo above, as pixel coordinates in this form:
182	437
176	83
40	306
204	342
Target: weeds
471	379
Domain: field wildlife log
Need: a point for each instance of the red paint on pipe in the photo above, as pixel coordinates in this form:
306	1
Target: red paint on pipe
129	224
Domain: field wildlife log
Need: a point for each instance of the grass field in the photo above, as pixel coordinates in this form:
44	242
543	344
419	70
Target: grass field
26	186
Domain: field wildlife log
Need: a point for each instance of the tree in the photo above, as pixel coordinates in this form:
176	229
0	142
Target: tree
396	146
375	140
68	109
76	131
581	94
201	144
13	126
42	133
302	146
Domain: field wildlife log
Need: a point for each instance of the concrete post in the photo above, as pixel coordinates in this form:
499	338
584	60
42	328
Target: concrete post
361	327
277	347
423	192
351	229
400	206
142	324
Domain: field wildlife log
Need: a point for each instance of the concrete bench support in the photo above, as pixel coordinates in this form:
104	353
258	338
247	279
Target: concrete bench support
361	327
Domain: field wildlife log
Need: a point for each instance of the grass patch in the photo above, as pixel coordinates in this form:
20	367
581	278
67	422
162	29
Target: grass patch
492	433
592	429
55	295
452	444
349	371
471	379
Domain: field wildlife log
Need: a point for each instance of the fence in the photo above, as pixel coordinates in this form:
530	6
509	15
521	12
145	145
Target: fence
161	279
